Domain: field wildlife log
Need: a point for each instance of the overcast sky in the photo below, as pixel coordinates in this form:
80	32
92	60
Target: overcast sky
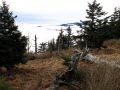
48	13
54	11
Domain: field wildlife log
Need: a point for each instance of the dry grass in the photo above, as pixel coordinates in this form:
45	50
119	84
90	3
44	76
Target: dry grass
39	74
112	52
35	75
112	43
44	55
101	77
65	52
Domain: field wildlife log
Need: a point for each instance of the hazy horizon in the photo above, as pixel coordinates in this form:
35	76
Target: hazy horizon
50	13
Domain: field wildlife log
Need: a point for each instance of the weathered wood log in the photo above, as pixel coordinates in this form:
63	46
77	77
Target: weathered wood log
67	78
76	58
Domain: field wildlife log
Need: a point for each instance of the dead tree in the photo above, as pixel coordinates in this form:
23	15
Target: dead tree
28	44
60	42
76	57
35	46
68	77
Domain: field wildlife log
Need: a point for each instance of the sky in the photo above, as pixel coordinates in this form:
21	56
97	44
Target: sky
49	14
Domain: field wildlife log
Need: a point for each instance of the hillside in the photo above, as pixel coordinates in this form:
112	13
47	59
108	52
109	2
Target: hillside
39	74
35	75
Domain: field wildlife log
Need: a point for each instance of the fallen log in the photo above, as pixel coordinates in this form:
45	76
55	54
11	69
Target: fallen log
68	77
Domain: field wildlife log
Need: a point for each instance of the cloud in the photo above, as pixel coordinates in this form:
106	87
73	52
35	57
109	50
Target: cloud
52	11
33	13
45	19
43	34
44	6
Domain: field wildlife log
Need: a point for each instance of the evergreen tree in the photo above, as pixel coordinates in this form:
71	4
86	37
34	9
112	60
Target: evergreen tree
62	42
92	25
12	43
69	36
65	42
42	47
115	24
51	45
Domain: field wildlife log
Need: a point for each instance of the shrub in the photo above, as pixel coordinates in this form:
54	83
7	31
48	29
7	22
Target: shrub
4	85
66	60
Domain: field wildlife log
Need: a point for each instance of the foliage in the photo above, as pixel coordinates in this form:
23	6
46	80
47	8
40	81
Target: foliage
59	40
12	43
115	24
42	47
98	28
4	85
93	25
66	60
69	36
52	45
64	41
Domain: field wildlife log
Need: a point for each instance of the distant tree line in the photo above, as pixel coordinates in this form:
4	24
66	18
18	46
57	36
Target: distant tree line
96	29
62	42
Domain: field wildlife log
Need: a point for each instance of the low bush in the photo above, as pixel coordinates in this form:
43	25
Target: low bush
4	85
66	60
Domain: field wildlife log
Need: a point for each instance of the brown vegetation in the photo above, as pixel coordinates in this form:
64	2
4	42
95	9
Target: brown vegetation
39	74
112	52
101	77
36	74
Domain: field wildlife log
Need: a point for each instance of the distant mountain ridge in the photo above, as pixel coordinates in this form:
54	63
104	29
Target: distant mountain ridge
71	24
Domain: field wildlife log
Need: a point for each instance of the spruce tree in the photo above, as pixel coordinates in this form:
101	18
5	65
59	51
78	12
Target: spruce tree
12	43
51	45
92	25
69	36
42	47
115	24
